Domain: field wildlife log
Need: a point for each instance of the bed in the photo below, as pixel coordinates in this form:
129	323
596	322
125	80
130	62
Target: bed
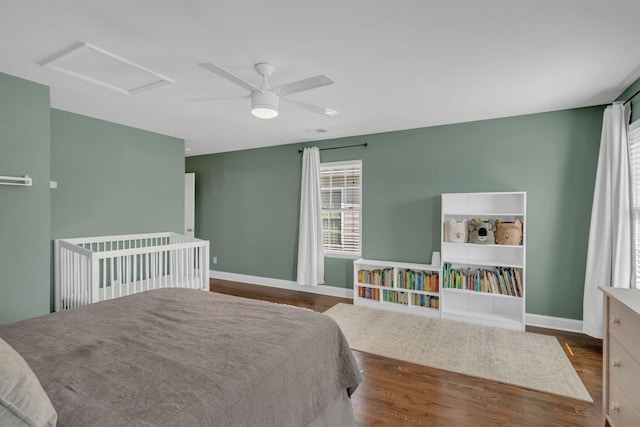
184	357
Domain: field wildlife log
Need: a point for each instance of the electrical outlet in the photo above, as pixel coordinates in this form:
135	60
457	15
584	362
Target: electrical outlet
215	259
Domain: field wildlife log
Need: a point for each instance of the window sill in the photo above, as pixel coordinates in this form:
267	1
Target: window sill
341	255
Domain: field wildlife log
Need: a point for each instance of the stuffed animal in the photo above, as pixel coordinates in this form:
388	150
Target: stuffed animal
481	231
509	233
455	231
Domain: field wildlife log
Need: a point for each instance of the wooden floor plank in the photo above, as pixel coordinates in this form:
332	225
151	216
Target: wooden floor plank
397	393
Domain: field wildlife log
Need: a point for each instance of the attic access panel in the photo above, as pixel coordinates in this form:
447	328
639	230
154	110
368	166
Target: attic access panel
102	68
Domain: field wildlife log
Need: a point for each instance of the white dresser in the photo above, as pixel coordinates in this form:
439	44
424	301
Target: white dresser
621	352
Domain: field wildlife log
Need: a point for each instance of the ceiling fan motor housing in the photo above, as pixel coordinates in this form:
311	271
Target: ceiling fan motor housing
264	103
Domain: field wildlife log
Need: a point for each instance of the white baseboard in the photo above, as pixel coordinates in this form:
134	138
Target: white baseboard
282	284
539	320
558	323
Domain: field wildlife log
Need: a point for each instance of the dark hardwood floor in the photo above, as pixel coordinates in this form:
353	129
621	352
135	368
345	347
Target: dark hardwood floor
397	393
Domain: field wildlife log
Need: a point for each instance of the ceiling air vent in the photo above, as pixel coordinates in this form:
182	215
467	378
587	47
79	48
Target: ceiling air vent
102	68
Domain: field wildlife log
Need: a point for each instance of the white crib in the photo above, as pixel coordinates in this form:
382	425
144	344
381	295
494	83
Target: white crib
92	269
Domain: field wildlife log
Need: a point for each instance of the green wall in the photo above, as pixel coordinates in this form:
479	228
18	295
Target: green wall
247	202
113	179
24	211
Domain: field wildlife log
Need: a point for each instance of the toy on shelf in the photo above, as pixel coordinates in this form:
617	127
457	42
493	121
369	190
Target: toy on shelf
482	231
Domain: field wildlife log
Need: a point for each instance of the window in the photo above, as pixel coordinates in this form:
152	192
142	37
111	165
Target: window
340	191
634	151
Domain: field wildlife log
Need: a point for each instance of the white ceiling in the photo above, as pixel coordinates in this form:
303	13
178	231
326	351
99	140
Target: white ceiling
396	64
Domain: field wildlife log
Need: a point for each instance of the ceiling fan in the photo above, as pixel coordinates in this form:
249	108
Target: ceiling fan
265	99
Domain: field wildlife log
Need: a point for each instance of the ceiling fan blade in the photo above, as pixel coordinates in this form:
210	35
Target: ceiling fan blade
231	77
301	85
310	107
214	98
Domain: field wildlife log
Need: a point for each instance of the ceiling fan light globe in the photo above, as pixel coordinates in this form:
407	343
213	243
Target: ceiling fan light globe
264	112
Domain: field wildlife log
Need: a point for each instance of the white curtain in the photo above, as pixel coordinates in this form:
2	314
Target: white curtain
310	248
610	253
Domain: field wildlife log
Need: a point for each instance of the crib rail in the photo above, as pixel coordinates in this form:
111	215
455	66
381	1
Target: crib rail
94	269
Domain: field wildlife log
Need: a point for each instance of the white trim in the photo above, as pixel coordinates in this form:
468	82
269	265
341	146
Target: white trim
342	255
57	64
342	163
539	320
282	284
550	322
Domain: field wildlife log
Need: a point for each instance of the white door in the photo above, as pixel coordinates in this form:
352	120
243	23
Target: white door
189	203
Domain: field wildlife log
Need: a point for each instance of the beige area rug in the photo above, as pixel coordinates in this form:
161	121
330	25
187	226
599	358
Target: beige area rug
525	359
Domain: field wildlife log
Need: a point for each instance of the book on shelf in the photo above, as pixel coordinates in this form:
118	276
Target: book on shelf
429	301
368	293
397	297
519	283
512	288
379	277
426	281
500	280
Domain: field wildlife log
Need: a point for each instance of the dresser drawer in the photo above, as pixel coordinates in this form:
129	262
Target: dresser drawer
625	371
619	410
624	325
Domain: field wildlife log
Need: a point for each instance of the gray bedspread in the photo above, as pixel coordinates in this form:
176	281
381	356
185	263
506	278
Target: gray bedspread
180	357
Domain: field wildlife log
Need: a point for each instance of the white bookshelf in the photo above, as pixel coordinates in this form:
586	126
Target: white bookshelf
470	305
422	301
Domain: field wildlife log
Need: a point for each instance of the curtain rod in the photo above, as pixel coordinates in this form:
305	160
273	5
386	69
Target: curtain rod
337	148
632	96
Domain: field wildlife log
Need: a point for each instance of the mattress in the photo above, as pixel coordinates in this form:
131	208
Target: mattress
181	357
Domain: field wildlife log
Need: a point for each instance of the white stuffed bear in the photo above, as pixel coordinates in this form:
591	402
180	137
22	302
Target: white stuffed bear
455	231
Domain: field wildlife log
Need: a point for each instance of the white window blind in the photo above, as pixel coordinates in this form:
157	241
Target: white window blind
341	193
634	152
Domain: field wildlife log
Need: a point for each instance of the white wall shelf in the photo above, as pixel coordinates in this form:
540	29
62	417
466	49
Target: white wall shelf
482	214
470	305
22	181
478	263
479	294
421	296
